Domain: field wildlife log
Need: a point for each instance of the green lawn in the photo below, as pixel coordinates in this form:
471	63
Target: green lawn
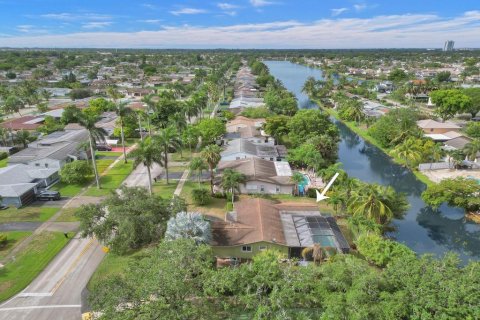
115	266
18	273
67	215
108	153
3	163
69	190
111	180
13	237
163	189
185	156
216	207
31	213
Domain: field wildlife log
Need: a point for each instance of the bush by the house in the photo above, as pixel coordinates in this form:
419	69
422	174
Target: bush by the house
201	196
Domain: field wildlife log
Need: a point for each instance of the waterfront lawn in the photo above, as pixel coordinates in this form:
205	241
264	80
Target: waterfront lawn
3	163
31	213
111	180
18	273
13	238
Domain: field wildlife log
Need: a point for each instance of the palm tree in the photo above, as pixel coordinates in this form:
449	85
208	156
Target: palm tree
231	180
88	121
297	178
309	87
408	151
370	201
23	136
167	139
316	252
148	100
4	136
436	153
122	111
198	164
148	152
211	154
472	149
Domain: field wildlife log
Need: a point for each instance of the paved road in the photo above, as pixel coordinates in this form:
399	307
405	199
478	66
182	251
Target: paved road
139	176
57	292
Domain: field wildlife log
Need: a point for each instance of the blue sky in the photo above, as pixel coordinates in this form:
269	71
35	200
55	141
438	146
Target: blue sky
239	23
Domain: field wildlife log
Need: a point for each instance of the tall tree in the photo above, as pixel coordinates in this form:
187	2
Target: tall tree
122	110
148	152
231	181
168	139
472	149
211	154
95	133
24	137
198	164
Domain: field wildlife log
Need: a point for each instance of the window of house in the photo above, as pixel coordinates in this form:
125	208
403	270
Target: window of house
262	248
46	165
277	189
37	164
262	188
246	248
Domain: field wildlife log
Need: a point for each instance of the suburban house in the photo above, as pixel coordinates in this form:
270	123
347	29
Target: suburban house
430	126
260	224
54	150
19	183
250	133
29	123
242	122
262	176
243	149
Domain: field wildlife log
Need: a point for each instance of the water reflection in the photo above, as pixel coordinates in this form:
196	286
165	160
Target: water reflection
422	229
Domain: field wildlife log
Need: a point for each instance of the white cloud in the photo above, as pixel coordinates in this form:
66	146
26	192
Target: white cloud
152	21
261	3
339	11
360	7
227	6
96	24
188	11
394	31
30	29
65	16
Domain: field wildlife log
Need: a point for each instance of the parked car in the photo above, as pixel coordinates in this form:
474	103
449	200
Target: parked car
48	195
3	207
104	147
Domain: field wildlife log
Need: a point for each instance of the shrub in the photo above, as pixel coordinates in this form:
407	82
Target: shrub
3	155
76	172
3	240
201	196
382	251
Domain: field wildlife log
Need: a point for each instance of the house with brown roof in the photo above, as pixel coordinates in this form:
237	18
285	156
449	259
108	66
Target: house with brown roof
241	122
29	123
262	176
430	126
260	224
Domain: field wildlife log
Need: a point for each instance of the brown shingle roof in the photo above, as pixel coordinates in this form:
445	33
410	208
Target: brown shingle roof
21	123
256	169
257	220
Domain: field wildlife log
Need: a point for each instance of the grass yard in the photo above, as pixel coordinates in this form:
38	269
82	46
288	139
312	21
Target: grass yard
216	207
18	273
108	154
13	237
176	168
69	190
163	189
111	180
3	163
31	213
67	215
115	266
185	156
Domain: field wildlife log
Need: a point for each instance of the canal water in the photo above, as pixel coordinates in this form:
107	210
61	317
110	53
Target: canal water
422	229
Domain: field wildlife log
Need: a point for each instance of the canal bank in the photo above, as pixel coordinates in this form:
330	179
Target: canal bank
364	134
422	229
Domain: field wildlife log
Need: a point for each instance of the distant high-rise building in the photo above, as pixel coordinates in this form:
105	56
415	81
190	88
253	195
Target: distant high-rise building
448	46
